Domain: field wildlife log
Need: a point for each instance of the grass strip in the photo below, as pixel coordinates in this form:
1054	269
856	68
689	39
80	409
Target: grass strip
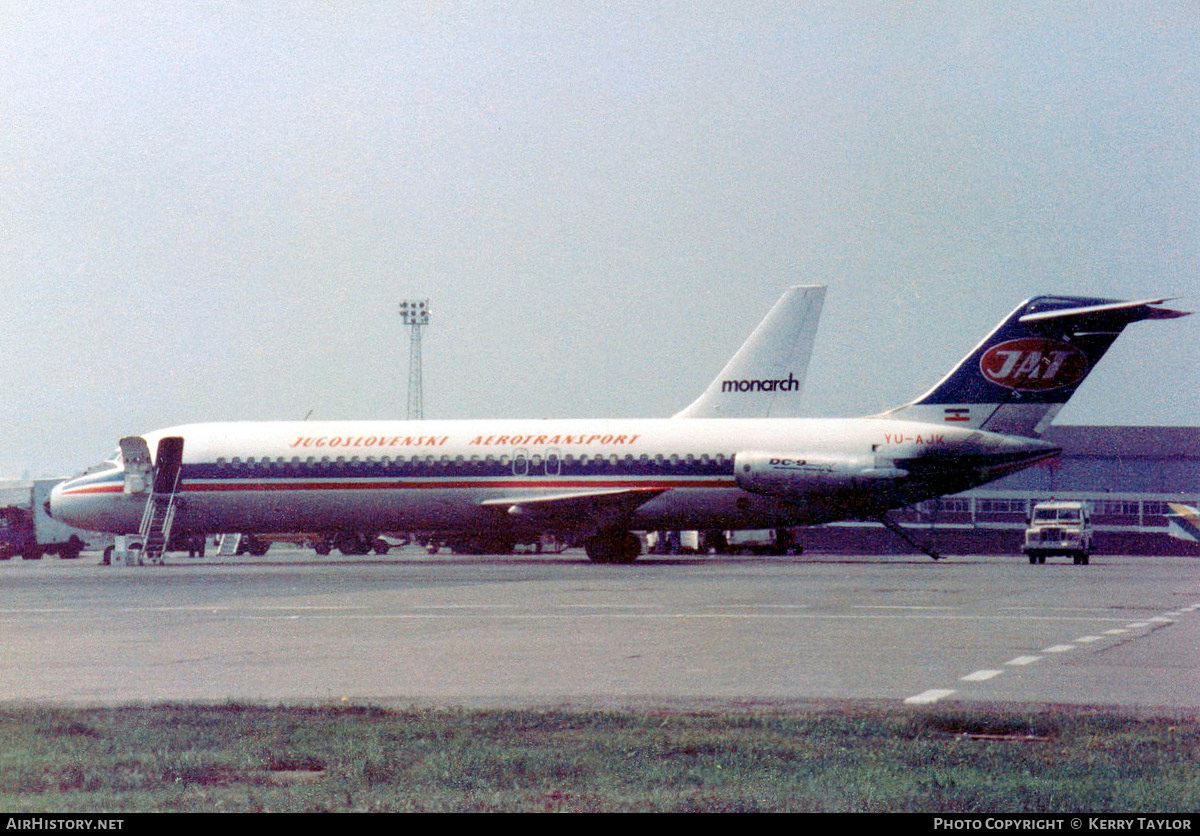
245	757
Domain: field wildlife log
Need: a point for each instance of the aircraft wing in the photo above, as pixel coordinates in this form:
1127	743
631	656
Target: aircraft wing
578	509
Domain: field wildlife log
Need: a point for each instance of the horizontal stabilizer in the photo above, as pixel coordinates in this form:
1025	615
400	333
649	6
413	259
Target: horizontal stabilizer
1021	375
1112	312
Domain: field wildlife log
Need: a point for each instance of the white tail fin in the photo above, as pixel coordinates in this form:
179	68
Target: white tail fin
766	377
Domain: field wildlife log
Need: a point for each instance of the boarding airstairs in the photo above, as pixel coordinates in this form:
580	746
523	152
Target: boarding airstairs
162	500
156	524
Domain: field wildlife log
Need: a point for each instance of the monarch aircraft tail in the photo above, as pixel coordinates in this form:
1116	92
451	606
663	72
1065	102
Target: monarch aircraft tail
1019	377
766	377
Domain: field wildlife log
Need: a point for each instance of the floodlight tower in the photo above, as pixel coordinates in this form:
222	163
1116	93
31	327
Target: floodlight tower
415	313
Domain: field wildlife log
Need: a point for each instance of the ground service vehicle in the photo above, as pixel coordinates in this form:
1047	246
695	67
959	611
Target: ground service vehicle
1059	528
29	532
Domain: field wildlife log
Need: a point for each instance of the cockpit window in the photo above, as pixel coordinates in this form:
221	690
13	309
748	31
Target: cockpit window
113	462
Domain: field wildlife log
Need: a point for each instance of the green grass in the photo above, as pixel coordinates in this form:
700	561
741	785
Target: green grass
260	758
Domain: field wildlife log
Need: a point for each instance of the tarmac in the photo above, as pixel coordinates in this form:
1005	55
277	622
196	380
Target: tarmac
557	630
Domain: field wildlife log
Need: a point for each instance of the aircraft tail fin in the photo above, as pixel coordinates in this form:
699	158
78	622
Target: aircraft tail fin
766	377
1183	522
1021	375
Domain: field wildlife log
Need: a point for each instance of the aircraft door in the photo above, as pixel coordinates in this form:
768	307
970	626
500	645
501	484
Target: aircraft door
138	469
169	462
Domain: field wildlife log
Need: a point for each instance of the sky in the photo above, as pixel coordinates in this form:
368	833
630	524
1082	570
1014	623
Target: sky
210	211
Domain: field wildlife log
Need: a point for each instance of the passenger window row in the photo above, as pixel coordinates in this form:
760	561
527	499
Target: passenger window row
369	464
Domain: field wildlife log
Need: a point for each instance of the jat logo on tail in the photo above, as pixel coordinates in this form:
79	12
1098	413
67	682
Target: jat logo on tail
1033	364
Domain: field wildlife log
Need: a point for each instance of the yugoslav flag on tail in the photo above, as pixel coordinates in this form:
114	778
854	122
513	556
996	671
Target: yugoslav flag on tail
1019	377
1184	522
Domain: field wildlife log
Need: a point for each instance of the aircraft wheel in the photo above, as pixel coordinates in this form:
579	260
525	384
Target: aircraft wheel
323	548
106	560
352	543
631	548
599	550
623	547
715	541
783	541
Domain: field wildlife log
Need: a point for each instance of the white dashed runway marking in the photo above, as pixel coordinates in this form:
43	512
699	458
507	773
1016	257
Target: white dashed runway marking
980	676
1024	660
927	697
935	694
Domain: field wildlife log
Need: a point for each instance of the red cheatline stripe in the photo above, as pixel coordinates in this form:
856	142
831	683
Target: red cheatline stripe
88	489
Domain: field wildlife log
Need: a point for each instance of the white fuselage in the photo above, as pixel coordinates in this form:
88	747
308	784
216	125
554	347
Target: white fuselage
542	475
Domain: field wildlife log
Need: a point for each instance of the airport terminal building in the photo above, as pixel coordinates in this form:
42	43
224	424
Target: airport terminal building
1126	474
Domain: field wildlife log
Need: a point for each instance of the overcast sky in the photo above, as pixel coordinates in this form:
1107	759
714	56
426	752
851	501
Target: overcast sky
210	211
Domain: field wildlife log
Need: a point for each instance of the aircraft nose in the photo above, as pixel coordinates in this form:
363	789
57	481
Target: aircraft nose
67	507
96	502
54	503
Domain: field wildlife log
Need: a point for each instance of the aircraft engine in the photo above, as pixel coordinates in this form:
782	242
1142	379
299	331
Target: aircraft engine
795	475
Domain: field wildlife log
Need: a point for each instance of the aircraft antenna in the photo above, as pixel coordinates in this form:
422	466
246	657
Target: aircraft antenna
415	313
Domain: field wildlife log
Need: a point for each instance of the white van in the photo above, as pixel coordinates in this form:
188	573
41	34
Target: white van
1059	528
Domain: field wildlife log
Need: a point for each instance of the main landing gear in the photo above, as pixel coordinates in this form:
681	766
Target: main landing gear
613	547
352	543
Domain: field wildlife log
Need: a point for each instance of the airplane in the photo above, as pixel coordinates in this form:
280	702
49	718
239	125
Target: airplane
490	482
1183	523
